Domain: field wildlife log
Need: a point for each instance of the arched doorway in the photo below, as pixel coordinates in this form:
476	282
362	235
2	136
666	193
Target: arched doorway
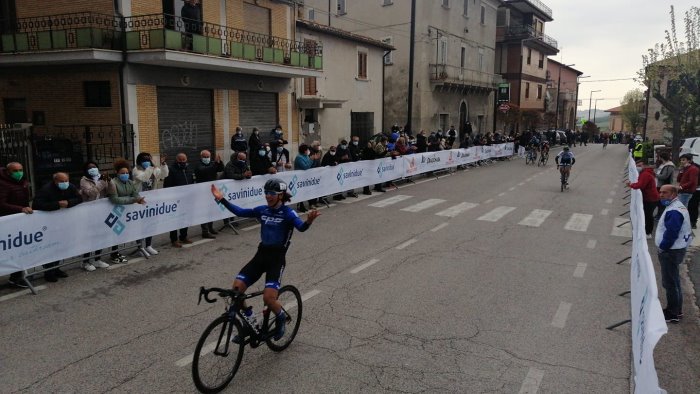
463	117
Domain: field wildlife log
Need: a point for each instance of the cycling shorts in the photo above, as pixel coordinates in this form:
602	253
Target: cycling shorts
269	261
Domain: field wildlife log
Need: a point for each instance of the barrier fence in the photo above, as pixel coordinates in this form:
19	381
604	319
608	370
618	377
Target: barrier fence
27	241
648	322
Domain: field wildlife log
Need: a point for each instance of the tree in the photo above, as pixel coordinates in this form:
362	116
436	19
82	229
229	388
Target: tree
671	71
632	109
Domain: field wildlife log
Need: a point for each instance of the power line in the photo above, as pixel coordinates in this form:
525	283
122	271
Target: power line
608	80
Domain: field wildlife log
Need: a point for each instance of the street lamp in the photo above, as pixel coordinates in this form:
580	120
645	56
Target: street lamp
558	93
590	101
578	83
595	110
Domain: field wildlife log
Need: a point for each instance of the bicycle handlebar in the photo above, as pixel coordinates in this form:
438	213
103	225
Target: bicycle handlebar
203	292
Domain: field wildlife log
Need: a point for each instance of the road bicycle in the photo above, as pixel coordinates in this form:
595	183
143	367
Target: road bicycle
531	156
564	170
217	357
544	157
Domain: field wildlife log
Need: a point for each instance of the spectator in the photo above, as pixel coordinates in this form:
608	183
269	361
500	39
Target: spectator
238	141
421	142
14	198
254	142
261	163
316	157
303	162
206	171
280	156
380	151
55	195
93	186
687	179
238	168
192	17
664	176
650	196
276	139
344	155
367	153
451	136
146	176
673	236
180	175
330	158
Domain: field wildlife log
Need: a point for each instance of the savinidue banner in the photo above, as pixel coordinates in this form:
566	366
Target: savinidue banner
27	241
648	322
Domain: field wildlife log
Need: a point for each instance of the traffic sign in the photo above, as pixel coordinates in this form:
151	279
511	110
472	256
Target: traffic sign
504	107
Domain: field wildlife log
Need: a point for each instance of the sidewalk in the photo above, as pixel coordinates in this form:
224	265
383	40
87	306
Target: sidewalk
677	355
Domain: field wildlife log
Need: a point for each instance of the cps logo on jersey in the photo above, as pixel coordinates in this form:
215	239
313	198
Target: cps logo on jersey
271	219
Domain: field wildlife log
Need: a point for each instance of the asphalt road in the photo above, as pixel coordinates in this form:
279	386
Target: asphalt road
486	280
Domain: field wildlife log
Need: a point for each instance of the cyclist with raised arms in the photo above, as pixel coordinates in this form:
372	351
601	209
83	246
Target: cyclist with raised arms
565	159
277	226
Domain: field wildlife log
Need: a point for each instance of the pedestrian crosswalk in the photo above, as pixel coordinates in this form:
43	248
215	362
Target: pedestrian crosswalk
532	218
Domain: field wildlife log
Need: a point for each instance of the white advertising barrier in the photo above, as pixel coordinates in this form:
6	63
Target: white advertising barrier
648	322
27	241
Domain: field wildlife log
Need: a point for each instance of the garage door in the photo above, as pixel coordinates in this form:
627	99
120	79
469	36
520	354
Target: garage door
258	109
185	122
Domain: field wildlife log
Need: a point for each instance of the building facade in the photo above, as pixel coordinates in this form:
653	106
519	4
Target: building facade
105	79
562	94
453	71
521	56
616	122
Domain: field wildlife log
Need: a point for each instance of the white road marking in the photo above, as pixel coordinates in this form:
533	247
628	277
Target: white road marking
439	227
535	218
580	270
501	194
591	244
363	266
206	349
578	222
532	381
604	212
511	189
625	230
351	200
559	320
457	209
407	243
496	214
113	266
613	192
195	243
431	202
609	201
389	201
521	183
489	201
21	292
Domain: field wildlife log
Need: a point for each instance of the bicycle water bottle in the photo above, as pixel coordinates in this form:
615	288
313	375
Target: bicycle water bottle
250	317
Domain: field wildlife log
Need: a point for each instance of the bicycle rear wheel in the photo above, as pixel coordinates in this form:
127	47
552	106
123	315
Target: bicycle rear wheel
216	358
290	299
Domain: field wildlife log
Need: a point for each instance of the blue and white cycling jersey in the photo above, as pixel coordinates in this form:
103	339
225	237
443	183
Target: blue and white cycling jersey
276	224
565	158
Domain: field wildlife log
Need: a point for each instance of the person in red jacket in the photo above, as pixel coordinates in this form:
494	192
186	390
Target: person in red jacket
687	179
646	183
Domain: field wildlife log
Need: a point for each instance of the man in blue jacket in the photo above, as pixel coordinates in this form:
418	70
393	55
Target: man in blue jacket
673	236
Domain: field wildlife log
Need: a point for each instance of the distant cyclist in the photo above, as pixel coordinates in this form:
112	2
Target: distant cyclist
277	225
544	147
565	159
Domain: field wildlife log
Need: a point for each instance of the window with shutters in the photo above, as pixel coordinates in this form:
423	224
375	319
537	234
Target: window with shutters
341	7
539	92
387	2
483	15
312	14
97	94
527	89
540	64
481	59
310	86
256	19
442	51
446	3
362	65
388	55
463	57
529	56
465	11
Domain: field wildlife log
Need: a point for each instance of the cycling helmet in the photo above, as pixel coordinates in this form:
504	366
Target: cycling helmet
275	185
566	148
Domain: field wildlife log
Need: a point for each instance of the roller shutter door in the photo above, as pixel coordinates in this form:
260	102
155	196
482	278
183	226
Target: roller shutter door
258	109
185	122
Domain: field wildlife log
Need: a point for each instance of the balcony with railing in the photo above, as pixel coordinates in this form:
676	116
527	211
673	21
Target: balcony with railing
155	39
457	77
526	33
531	7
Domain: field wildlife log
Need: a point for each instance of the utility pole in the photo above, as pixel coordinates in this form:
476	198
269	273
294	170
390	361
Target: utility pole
590	101
411	53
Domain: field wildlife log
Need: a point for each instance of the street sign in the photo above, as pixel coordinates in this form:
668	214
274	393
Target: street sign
504	107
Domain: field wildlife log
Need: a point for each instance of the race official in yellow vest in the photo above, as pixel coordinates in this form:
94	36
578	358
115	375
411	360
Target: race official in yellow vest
638	151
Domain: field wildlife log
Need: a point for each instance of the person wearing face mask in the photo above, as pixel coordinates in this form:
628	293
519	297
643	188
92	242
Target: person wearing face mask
93	186
148	176
673	236
260	162
303	162
280	156
237	168
254	142
180	175
14	198
55	195
687	179
345	156
208	170
122	190
650	196
239	143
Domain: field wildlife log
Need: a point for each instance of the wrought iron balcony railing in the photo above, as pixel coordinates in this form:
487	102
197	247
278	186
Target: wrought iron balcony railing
157	31
526	32
443	73
539	5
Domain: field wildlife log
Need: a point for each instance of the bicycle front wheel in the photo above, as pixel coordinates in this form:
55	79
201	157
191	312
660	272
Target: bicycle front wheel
216	358
290	299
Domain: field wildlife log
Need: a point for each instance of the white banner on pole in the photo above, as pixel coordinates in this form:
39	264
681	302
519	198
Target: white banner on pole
30	240
648	322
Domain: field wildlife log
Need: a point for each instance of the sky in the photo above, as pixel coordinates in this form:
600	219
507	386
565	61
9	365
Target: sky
607	38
